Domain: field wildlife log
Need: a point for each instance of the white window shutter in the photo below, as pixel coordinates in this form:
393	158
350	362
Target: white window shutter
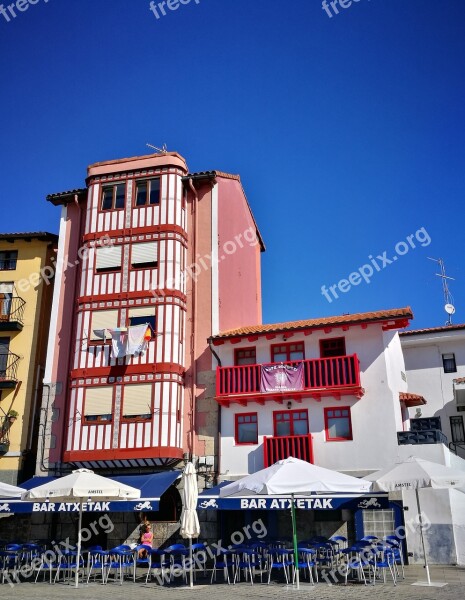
137	400
108	258
103	319
99	401
6	288
146	252
142	311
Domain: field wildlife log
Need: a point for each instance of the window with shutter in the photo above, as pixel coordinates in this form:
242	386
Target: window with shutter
101	321
108	258
144	255
137	402
98	404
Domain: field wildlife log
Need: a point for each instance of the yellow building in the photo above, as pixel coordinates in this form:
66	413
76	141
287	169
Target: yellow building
26	283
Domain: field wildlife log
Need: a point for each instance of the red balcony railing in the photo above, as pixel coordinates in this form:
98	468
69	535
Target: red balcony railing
279	448
322	375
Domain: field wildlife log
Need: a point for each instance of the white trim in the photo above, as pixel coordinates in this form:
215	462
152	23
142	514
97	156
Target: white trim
214	261
57	290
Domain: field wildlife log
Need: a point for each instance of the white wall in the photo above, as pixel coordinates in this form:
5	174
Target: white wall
376	417
425	373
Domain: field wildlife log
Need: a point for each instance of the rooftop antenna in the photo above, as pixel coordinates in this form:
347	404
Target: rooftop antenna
162	150
448	299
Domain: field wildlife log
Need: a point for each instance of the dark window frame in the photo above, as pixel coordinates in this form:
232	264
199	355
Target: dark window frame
148	198
7	262
452	368
329	347
114	187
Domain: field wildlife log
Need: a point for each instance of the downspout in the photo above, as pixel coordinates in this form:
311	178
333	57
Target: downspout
194	317
42	467
218	360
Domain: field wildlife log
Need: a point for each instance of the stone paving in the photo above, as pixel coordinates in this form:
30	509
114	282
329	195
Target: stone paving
453	576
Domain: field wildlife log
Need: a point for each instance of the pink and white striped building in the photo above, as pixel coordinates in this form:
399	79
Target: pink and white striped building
144	242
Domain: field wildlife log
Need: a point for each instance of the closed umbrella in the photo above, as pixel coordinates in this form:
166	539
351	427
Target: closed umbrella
414	474
10	491
82	485
294	476
190	527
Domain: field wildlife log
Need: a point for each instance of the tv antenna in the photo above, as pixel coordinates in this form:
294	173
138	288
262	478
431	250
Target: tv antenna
162	150
448	298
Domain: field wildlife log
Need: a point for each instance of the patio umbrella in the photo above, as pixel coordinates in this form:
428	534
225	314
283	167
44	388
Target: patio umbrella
413	474
10	491
294	476
190	527
82	485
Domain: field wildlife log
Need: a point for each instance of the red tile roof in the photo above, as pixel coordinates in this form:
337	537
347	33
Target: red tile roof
433	330
29	235
322	322
411	399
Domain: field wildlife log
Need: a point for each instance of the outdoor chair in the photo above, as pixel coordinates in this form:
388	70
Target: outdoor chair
48	564
141	561
67	564
121	563
247	560
199	557
360	559
224	561
97	561
384	560
157	562
396	546
306	558
279	559
9	564
177	554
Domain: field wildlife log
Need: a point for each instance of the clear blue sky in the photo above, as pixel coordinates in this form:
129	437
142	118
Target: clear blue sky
348	132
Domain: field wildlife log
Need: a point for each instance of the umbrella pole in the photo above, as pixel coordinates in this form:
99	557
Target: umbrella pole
294	539
191	564
78	556
420	518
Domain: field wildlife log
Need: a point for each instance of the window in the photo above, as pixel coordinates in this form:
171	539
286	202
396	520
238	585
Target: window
332	347
139	316
338	424
290	422
4	351
148	192
457	430
6	294
8	260
98	404
247	428
144	255
102	320
287	352
245	356
448	362
113	196
108	259
137	402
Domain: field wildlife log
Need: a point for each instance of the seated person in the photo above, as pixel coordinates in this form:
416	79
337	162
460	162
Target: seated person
146	538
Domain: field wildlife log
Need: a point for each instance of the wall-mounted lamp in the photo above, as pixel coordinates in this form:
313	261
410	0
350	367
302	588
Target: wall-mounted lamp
289	405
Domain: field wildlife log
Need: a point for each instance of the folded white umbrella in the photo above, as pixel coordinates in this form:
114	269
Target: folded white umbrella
294	476
190	527
413	474
10	491
83	485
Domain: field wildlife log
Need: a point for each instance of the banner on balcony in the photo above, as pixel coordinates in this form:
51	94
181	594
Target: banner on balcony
282	378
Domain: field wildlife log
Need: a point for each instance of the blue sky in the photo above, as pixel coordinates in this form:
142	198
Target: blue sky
348	132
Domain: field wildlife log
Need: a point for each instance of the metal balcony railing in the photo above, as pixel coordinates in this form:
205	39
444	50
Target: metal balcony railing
319	374
8	369
12	310
425	436
281	447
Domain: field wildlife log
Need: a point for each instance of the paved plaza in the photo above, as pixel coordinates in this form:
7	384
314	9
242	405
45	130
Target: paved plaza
453	576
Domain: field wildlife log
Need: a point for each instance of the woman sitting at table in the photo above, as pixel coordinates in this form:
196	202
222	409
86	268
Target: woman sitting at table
146	539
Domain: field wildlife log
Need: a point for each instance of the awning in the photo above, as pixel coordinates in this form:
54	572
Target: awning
210	499
152	487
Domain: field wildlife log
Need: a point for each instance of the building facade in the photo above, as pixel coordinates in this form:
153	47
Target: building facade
144	243
26	283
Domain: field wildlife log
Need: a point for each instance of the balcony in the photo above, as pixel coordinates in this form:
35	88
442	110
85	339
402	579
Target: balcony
335	377
279	448
12	314
424	436
8	370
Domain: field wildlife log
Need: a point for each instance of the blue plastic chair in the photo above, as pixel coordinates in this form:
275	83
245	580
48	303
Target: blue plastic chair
307	561
360	558
384	560
279	559
224	561
142	561
157	561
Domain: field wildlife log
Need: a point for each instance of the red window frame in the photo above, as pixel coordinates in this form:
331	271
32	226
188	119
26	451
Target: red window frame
287	348
145	266
252	350
237	416
148	181
291	421
328	416
335	342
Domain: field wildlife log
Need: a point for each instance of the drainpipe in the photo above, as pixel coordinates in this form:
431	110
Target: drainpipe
194	318
43	425
218	360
